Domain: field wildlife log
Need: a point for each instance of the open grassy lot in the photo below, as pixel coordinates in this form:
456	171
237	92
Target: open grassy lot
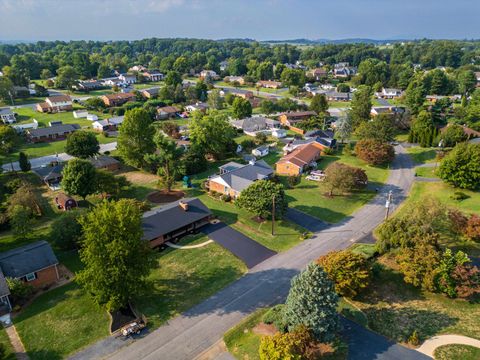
308	196
60	322
26	115
457	352
339	104
186	277
396	309
148	85
422	155
426	171
28	100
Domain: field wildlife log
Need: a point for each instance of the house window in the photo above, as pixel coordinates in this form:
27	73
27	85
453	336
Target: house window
31	276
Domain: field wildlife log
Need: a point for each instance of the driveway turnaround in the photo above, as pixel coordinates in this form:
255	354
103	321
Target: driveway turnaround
246	249
306	221
364	344
429	346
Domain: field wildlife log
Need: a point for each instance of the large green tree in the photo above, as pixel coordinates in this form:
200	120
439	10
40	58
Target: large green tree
79	178
66	77
312	302
212	134
319	103
117	260
423	129
82	144
415	95
241	108
8	139
461	167
452	135
135	137
381	128
361	105
374	152
258	199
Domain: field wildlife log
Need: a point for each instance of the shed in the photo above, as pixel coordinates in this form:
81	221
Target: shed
65	202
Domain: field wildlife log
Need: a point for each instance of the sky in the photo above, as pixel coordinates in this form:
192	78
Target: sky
255	19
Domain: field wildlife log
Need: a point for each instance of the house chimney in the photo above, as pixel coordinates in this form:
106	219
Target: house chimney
183	205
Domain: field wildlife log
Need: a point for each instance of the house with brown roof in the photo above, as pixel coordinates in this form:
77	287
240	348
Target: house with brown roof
54	104
317	73
292	118
118	99
300	159
269	84
167	112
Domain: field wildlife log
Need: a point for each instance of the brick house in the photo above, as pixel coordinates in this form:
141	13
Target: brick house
235	177
35	264
54	104
117	99
296	162
173	221
292	118
269	84
51	133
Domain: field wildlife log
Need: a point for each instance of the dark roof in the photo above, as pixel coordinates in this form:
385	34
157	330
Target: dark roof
171	217
102	161
57	129
59	99
50	172
27	259
319	133
4	290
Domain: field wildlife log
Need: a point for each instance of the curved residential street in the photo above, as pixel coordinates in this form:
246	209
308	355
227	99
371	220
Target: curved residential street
193	332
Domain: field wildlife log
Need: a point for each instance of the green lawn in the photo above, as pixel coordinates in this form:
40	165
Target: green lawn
186	277
339	104
241	342
5	342
396	309
457	352
60	322
309	197
26	115
422	155
424	171
28	100
148	85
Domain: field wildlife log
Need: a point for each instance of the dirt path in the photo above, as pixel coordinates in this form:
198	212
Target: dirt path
17	344
429	346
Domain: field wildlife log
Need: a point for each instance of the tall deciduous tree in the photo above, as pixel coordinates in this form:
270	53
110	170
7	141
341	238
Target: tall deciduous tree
349	271
215	101
461	166
258	199
381	128
8	139
66	77
319	104
117	260
361	105
374	152
82	144
415	95
342	178
212	134
312	302
79	178
167	157
135	137
241	108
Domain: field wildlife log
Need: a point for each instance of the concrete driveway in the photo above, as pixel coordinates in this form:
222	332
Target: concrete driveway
306	221
246	249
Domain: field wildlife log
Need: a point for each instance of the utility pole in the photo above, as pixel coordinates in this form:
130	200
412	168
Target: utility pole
273	215
387	204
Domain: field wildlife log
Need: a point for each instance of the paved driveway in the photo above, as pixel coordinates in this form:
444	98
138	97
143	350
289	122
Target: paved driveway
248	250
306	221
364	344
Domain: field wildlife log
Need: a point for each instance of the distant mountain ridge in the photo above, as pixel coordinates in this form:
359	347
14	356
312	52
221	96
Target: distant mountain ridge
339	41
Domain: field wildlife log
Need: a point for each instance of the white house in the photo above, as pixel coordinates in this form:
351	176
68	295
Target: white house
199	106
22	127
261	151
77	114
209	74
128	79
7	116
279	133
389	93
92	117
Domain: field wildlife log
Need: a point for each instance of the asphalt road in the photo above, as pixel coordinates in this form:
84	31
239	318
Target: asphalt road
188	335
45	160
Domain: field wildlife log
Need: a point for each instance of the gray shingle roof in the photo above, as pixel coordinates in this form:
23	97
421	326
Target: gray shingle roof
6	111
172	217
30	258
241	178
257	123
50	172
4	290
53	130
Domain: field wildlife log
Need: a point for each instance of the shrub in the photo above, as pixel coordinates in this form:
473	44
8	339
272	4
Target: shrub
19	290
459	196
292	345
226	198
328	151
472	229
374	152
414	339
260	138
293	180
276	317
350	272
459	221
446	281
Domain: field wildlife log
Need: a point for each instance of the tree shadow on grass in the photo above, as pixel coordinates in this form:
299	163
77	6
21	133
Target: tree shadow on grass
44	355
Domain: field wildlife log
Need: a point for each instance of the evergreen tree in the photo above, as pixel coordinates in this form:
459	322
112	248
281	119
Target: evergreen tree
23	162
312	302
